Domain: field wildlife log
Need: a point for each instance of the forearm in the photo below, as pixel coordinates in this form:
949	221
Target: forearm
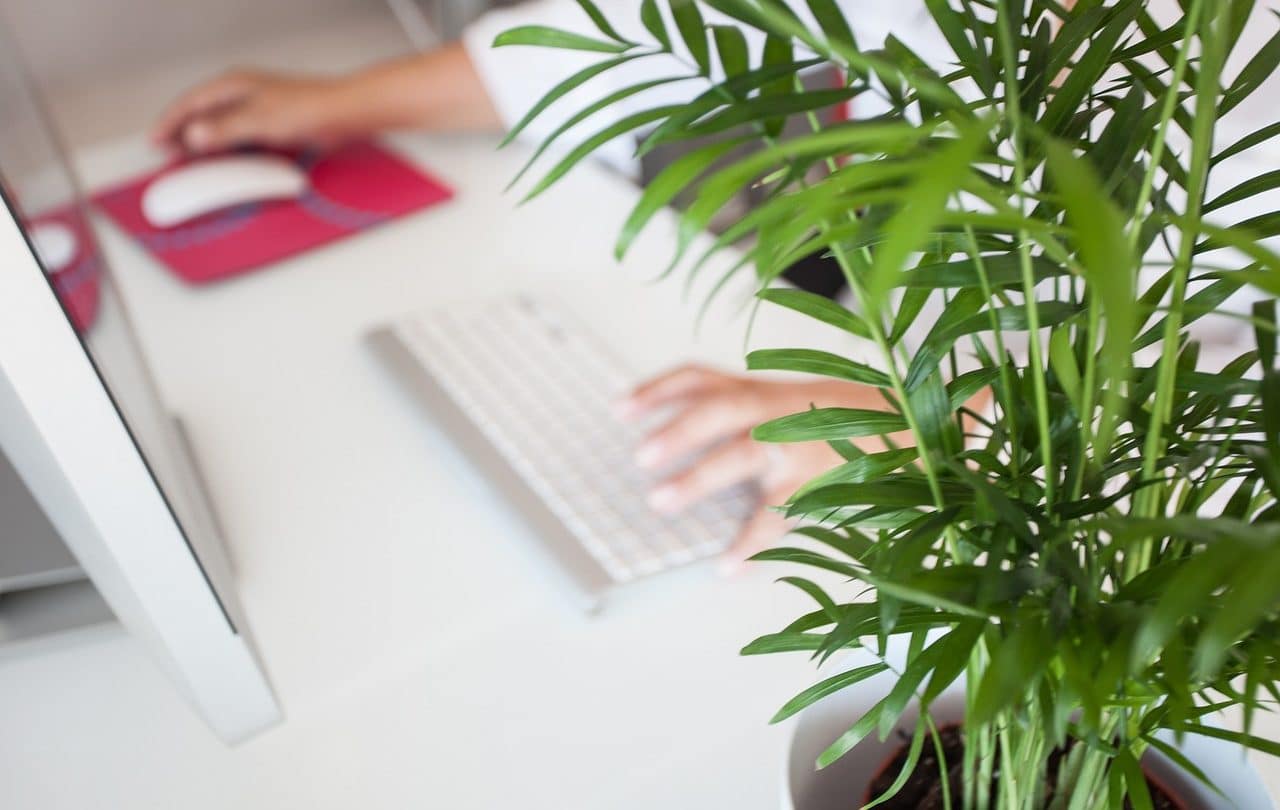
439	90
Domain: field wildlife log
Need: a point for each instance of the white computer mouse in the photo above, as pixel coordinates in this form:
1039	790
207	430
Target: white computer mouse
55	244
204	186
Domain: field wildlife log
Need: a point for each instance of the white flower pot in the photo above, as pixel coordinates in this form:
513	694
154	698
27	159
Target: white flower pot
842	785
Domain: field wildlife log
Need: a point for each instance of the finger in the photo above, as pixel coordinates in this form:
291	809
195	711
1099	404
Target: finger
732	463
705	422
666	388
201	99
235	127
759	532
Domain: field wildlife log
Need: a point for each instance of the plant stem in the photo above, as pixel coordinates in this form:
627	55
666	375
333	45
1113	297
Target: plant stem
1205	119
1088	789
1007	797
1087	393
895	378
1168	106
1006	380
1017	140
942	760
876	327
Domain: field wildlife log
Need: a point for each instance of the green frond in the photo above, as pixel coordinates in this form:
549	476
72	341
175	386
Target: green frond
1073	509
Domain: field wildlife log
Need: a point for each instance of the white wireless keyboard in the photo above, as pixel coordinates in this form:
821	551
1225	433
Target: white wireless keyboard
527	391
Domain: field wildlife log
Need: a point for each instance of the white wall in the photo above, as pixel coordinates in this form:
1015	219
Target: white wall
106	66
64	40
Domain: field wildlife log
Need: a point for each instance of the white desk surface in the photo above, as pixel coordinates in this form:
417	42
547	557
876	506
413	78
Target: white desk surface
422	652
423	655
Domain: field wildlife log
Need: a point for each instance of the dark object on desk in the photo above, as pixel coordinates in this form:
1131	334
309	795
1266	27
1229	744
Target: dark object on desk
817	273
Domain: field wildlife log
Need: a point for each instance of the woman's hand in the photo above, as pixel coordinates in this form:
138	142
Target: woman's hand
256	107
437	90
714	415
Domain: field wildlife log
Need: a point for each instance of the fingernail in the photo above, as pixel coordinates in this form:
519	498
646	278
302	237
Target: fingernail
649	455
196	136
625	408
665	499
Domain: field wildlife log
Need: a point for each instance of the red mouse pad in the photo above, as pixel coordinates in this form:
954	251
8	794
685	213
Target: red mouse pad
351	189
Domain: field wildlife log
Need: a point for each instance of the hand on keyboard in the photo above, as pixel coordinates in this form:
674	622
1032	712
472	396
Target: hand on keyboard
713	416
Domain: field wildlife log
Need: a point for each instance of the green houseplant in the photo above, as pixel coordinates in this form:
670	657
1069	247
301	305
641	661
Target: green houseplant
1096	552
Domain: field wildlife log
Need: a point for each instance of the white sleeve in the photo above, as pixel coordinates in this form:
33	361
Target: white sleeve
517	76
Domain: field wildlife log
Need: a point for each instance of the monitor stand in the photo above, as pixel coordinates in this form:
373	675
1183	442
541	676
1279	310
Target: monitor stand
32	555
44	595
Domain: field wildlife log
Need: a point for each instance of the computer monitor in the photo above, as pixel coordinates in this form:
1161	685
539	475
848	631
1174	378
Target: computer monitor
82	425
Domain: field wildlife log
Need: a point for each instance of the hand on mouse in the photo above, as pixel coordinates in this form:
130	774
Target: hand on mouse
437	90
247	106
714	415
